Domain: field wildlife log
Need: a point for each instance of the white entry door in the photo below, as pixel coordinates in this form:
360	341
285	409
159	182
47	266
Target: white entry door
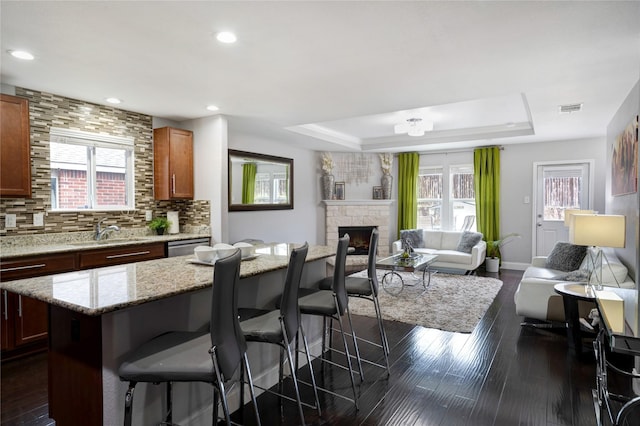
559	186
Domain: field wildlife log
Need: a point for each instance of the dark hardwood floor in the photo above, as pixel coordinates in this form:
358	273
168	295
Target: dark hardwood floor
501	374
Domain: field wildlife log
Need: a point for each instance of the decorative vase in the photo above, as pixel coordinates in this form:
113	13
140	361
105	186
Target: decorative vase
328	186
386	181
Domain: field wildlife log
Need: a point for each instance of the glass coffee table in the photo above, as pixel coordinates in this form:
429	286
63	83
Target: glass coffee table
393	283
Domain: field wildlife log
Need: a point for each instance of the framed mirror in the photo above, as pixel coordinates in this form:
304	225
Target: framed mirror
259	182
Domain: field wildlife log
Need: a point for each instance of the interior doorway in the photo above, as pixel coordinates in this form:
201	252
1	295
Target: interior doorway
558	186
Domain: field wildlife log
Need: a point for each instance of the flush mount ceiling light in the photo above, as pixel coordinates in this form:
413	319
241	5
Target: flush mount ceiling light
413	127
21	54
212	108
113	100
226	37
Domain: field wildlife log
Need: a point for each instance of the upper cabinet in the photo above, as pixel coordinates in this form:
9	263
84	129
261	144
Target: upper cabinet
15	156
172	163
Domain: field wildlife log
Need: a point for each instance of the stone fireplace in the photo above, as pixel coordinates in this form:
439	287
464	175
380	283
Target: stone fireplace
356	214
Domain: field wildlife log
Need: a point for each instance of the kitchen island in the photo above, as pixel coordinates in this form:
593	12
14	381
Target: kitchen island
98	315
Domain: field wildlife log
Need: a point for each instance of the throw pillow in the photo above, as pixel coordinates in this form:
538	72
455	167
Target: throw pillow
468	240
576	276
414	236
566	257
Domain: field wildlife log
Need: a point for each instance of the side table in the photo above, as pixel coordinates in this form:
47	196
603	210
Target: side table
571	293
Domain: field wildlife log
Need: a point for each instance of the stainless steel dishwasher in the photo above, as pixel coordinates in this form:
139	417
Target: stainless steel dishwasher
183	247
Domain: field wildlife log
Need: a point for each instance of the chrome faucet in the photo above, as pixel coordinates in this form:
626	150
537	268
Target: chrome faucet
101	232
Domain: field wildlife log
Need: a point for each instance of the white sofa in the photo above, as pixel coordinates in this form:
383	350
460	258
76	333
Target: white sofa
444	244
535	297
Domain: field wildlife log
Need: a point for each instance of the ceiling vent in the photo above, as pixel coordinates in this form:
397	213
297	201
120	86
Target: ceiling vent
569	108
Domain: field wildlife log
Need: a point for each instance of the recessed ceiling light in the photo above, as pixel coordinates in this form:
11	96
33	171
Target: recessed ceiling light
212	108
226	37
21	54
113	100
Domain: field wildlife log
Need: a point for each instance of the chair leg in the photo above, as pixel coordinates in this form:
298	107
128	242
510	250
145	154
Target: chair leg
251	389
355	345
383	334
293	372
281	372
313	379
241	390
346	351
169	416
324	336
214	415
220	385
128	404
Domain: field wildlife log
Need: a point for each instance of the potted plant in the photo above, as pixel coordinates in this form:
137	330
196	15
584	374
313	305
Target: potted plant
159	224
492	261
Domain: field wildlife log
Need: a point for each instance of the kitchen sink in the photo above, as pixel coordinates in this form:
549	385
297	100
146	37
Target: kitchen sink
105	242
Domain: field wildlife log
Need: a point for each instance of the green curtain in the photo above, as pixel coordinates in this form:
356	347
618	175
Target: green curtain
408	168
248	182
486	174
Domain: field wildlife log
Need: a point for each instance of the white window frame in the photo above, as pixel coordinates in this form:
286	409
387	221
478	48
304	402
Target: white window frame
435	170
93	141
451	216
447	220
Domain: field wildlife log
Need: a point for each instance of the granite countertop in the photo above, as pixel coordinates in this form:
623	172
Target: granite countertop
75	241
102	290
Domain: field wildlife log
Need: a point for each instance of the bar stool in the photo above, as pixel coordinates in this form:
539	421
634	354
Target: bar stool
367	288
332	304
279	326
183	356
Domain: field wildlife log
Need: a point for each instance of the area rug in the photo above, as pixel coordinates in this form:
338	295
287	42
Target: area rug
451	302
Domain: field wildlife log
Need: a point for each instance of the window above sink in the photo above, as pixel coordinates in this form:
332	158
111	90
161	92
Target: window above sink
91	171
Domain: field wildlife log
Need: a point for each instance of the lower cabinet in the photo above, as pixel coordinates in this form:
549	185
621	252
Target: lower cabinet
24	321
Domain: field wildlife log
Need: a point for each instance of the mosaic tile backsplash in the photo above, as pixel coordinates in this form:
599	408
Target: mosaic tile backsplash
47	110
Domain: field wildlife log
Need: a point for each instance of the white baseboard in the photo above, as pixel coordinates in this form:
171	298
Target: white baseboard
518	266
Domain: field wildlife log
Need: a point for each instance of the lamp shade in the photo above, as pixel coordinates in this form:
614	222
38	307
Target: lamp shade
597	230
569	212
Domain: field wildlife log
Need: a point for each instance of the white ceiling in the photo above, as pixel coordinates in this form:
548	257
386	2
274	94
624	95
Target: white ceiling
338	75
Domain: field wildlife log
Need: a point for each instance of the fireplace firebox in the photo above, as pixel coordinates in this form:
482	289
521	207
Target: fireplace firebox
359	237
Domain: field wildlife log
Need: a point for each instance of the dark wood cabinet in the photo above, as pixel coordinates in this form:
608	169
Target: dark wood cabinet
24	322
6	322
172	163
31	321
120	255
35	266
15	147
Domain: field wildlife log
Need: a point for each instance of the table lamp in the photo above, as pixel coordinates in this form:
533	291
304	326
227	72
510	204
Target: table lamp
597	230
569	212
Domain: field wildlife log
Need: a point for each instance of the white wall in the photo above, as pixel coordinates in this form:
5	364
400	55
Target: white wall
629	204
516	163
210	169
297	225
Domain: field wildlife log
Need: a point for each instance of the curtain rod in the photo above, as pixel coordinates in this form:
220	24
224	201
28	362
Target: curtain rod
453	151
